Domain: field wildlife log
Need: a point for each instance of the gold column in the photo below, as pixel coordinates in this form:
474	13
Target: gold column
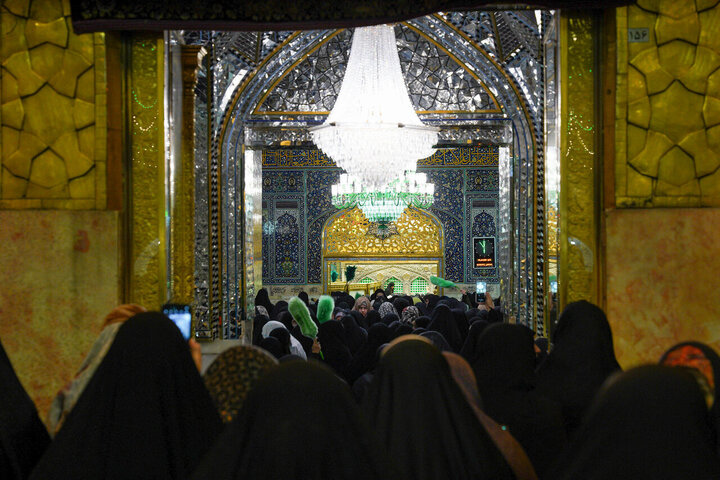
182	217
579	269
146	170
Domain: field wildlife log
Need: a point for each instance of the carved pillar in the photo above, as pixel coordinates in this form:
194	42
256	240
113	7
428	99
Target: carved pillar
182	216
145	163
579	269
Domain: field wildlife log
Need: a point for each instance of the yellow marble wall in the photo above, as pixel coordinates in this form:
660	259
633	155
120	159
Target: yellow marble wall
60	264
53	109
661	263
668	108
60	279
662	280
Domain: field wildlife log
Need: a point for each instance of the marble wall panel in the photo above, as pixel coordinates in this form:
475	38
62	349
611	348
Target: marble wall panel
60	278
662	280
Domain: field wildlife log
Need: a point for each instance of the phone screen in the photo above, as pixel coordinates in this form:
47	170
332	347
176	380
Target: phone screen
480	287
181	315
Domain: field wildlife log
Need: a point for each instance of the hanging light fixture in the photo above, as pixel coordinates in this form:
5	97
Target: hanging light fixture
373	126
386	205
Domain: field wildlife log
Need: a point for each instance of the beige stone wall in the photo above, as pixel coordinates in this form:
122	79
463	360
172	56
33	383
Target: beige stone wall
662	280
60	278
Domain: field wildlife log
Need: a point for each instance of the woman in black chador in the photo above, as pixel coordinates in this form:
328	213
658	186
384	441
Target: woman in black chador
424	420
581	359
144	414
649	423
23	437
298	422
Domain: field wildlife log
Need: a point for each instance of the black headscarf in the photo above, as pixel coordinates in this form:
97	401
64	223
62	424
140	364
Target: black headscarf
649	423
283	337
690	354
390	318
505	373
581	360
325	439
263	299
355	336
443	321
366	358
359	319
543	345
462	323
438	340
469	350
304	297
400	304
286	318
335	351
23	437
280	306
422	321
273	346
402	329
145	413
305	341
432	301
258	323
471	313
424	420
373	317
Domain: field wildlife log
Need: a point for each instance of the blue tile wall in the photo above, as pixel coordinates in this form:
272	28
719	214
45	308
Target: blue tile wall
459	175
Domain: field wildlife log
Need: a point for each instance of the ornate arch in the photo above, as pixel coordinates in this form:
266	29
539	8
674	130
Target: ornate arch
238	128
416	251
419	235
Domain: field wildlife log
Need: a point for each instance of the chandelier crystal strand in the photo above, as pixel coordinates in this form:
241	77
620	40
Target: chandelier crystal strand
385	205
373	132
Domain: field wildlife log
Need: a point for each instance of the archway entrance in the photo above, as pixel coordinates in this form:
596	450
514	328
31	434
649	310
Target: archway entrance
484	78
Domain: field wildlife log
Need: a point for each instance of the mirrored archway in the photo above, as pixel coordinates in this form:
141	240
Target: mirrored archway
479	76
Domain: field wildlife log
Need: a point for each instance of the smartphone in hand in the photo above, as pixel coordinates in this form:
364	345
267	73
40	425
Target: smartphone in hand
181	314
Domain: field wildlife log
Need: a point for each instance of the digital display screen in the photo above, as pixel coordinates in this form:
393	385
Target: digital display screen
484	249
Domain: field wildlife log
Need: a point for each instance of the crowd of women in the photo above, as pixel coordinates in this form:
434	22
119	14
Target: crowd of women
369	388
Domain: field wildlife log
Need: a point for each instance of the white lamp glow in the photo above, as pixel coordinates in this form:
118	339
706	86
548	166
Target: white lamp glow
373	132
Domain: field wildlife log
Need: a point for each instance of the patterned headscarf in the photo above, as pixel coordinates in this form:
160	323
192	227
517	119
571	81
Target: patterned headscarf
409	315
362	301
231	376
66	398
385	309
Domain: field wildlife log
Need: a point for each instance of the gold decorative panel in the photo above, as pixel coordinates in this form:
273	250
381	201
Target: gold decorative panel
419	235
668	105
54	117
579	268
378	272
182	219
144	96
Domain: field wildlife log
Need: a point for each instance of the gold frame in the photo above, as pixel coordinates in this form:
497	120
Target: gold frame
330	286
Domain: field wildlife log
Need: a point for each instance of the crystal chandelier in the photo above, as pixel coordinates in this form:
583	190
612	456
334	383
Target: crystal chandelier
386	205
373	125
